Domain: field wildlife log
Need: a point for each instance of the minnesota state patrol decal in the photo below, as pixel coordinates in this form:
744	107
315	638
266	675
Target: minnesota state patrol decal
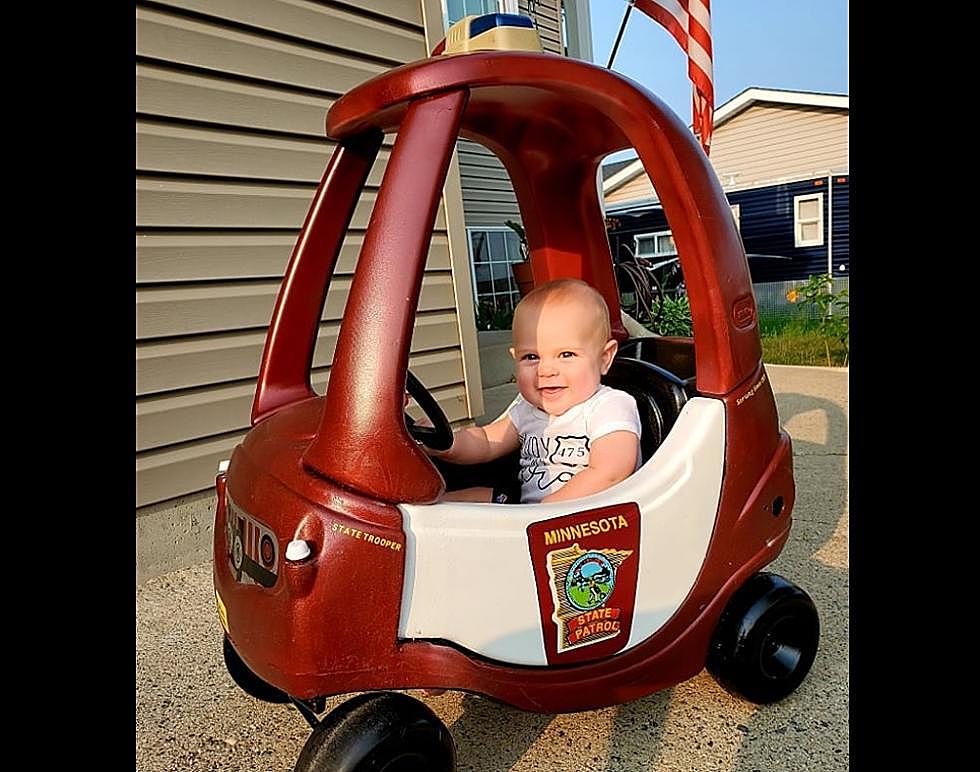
585	569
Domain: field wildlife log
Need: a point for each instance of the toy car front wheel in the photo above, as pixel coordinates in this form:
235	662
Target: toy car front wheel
247	681
766	639
380	732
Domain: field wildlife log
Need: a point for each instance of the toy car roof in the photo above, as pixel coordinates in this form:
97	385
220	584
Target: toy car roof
551	120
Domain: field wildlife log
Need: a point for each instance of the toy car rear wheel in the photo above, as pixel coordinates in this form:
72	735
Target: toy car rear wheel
766	639
380	732
247	681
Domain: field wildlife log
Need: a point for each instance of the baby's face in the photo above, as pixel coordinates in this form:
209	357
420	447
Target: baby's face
558	355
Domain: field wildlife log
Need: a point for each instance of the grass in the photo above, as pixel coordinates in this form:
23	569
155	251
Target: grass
795	342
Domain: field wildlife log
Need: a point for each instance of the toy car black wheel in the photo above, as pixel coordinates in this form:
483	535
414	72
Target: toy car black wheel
380	732
250	683
766	639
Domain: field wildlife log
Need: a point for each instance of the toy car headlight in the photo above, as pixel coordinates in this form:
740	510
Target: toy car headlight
298	549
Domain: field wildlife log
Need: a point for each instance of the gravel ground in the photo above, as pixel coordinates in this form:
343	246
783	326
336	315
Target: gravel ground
191	716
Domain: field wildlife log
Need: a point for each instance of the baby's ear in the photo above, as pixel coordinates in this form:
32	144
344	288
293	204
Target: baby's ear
608	354
513	353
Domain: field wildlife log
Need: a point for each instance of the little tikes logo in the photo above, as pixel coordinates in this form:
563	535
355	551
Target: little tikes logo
585	568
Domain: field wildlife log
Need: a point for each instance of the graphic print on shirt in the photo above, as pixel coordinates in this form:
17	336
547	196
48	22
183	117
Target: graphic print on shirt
537	452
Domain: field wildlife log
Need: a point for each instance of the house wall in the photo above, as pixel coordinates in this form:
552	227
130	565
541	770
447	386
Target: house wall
232	97
767	228
637	189
764	144
767	143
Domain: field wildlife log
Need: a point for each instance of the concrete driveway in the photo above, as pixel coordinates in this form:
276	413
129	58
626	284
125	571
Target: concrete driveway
190	715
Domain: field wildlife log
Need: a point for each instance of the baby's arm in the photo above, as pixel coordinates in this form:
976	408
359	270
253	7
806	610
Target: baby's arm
476	444
612	458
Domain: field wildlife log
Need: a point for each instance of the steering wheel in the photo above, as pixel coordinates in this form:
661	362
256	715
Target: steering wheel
439	436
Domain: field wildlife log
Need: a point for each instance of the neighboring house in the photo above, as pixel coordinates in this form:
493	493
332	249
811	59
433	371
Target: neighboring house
782	160
231	100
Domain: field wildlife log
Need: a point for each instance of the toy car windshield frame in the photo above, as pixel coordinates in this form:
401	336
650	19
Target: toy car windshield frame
551	121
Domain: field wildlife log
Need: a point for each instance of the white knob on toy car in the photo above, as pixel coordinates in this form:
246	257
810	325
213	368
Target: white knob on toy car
297	549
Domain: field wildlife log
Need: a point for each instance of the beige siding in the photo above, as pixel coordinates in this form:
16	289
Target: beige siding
164	147
213	99
207	255
637	188
547	15
188	362
231	100
765	144
192	414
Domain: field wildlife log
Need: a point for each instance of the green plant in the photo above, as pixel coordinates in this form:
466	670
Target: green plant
833	307
492	317
675	317
801	343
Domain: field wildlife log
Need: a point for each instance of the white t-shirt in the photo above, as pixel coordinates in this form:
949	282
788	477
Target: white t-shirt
556	448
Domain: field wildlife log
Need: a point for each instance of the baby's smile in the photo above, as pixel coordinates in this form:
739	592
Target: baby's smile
550	391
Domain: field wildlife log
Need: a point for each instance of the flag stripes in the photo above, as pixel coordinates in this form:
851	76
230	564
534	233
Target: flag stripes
689	22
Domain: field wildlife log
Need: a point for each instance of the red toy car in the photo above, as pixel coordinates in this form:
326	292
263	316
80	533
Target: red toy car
336	571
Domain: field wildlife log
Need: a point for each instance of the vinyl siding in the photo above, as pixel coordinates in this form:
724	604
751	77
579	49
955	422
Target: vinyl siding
764	144
768	143
231	99
637	189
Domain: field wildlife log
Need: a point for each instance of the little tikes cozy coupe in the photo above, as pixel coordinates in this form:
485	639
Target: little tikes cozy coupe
336	570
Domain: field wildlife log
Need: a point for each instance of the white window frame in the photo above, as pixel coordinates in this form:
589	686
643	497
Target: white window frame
470	230
653	235
503	6
737	214
799	222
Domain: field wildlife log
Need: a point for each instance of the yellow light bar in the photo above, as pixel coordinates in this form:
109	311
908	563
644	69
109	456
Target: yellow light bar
499	38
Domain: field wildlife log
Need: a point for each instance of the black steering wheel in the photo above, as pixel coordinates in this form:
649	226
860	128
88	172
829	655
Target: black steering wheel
439	436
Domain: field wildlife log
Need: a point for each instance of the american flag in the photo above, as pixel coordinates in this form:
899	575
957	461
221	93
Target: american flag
689	21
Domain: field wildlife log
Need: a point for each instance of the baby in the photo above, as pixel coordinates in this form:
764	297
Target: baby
575	435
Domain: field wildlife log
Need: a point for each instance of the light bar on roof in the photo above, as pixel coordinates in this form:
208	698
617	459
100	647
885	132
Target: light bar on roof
492	32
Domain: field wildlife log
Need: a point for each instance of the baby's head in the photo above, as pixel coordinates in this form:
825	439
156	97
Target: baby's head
562	344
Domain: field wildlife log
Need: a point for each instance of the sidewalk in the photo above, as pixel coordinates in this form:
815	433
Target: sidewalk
191	716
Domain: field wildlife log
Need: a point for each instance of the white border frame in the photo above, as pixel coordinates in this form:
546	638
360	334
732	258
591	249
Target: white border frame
638	236
469	251
798	221
737	215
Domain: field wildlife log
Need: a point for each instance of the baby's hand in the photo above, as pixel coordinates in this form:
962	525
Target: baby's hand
424	420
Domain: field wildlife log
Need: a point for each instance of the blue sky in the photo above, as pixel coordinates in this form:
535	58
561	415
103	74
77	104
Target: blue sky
788	44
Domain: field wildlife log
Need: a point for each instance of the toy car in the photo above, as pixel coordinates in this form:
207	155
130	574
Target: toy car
337	570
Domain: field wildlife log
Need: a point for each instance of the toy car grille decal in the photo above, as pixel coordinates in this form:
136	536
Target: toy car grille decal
253	551
585	569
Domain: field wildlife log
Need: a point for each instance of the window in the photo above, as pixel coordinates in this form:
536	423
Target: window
808	220
493	251
654	244
457	9
737	214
